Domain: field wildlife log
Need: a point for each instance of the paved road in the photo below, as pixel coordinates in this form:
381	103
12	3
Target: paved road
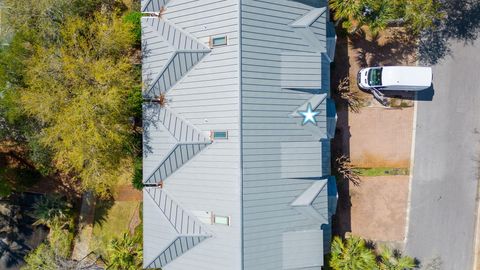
444	185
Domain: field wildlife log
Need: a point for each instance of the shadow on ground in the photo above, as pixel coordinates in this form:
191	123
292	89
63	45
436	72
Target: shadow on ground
423	95
395	48
462	23
340	143
101	210
17	234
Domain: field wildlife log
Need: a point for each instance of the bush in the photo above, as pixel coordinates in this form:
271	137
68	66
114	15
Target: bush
5	188
134	102
40	156
134	18
137	181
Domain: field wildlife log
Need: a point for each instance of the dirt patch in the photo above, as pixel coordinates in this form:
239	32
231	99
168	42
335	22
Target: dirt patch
381	137
127	193
379	207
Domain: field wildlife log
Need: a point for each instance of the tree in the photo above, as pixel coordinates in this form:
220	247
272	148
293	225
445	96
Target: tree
134	18
43	257
77	88
422	14
351	254
376	14
125	253
417	15
347	171
52	211
348	11
393	260
137	180
353	98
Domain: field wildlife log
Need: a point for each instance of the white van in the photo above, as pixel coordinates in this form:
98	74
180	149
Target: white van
395	78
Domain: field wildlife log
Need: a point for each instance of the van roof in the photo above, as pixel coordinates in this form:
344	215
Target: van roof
408	76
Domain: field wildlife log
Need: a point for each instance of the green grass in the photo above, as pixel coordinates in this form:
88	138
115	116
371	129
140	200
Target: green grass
382	171
111	221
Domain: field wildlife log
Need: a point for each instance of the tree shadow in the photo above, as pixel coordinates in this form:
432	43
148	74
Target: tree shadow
462	23
18	236
102	207
393	49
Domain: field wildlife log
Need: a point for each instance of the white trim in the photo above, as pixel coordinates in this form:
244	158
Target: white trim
412	164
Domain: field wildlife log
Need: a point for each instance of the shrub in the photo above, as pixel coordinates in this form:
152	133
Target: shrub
137	181
353	98
134	18
347	171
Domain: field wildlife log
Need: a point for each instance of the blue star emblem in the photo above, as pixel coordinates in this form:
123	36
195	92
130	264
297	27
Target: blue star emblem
309	115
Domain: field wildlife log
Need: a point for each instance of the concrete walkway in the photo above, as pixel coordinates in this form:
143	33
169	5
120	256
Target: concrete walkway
85	227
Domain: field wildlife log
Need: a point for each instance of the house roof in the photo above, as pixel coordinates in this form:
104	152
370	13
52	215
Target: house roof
261	196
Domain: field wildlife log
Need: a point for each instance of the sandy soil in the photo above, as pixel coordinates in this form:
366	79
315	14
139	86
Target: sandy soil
381	137
379	208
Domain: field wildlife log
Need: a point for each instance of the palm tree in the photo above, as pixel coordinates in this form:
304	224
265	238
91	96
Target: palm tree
376	14
51	210
393	260
422	14
349	11
345	9
125	253
351	254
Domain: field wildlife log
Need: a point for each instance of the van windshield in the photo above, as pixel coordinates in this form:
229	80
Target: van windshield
375	76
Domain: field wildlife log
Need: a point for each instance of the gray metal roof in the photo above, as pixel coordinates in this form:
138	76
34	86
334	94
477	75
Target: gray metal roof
270	179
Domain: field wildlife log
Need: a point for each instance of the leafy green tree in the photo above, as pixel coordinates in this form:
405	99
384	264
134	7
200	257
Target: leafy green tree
416	15
137	180
55	252
125	253
376	14
43	257
134	18
351	254
78	88
52	211
348	11
422	14
48	256
393	260
5	188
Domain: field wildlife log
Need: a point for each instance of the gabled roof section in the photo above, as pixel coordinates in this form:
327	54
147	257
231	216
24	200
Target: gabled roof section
178	157
178	66
331	118
189	142
179	128
331	41
315	101
309	18
313	202
186	230
309	195
312	28
176	249
177	37
312	3
153	5
318	102
181	221
186	53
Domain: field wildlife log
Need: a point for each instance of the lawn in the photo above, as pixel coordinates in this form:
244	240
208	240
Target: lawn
382	171
112	219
